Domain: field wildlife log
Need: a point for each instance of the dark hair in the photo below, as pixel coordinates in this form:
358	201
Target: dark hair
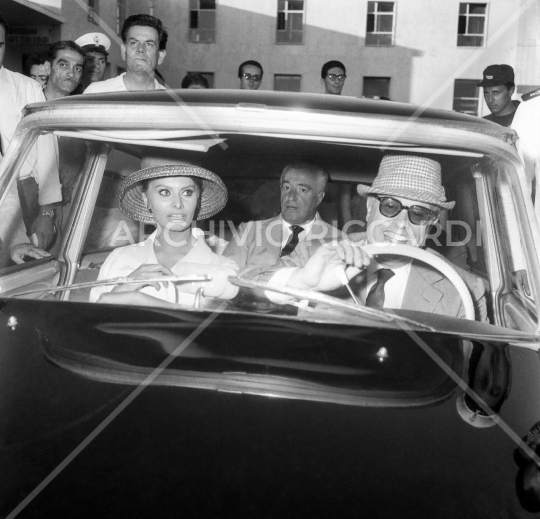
331	64
510	85
39	58
196	180
4	24
194	78
310	168
63	45
146	20
252	63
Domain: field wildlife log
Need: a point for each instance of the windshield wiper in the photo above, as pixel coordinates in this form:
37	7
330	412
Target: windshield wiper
116	281
318	297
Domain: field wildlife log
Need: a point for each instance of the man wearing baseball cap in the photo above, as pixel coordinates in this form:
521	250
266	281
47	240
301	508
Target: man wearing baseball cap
96	48
498	84
404	201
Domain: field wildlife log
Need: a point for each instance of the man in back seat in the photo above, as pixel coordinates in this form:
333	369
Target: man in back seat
263	242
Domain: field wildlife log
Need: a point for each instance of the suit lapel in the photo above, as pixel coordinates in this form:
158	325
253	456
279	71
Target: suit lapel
420	294
272	234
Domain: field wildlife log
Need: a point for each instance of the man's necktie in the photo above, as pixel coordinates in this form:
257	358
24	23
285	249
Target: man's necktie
375	298
293	242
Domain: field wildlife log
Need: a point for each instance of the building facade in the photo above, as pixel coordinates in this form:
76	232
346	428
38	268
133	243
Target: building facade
426	52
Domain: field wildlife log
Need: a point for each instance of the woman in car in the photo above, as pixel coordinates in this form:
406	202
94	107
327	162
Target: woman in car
171	196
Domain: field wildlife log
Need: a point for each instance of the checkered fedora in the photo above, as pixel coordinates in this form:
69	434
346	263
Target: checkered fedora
131	202
409	176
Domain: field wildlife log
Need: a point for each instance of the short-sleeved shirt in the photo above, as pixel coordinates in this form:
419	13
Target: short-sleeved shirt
115	84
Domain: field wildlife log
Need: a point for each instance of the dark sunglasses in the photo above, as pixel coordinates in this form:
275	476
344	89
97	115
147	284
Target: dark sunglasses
418	215
255	77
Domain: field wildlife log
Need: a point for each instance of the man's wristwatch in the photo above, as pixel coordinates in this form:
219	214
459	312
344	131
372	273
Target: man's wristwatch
48	212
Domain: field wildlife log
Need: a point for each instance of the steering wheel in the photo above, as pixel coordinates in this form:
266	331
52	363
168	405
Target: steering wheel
433	261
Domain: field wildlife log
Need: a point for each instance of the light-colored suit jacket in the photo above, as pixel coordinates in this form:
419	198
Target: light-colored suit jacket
258	243
427	289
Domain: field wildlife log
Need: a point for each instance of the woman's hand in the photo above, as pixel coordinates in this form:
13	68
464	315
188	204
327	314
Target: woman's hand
146	271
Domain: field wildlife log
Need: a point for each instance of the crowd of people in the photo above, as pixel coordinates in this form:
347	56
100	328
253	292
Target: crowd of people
407	193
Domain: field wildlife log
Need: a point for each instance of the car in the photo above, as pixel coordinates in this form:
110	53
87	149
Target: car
247	408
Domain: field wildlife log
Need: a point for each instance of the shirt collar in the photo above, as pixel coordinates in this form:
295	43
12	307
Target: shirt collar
306	226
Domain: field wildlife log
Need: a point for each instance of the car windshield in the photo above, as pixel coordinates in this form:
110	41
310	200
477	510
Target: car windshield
89	225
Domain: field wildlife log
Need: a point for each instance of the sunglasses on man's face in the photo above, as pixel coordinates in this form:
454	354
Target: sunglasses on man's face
249	77
336	77
418	215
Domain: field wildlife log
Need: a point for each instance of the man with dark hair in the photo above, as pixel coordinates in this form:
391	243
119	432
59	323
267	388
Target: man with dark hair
143	49
333	75
96	49
65	62
263	242
39	172
195	80
250	74
38	69
498	84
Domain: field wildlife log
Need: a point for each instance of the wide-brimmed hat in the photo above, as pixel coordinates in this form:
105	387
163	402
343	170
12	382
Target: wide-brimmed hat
474	417
409	176
131	202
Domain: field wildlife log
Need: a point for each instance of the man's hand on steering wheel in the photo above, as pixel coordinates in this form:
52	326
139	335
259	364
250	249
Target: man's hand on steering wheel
319	273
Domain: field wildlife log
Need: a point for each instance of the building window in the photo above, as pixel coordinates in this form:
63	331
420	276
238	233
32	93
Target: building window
380	23
287	82
208	75
202	21
376	87
466	96
120	14
471	25
93	11
290	21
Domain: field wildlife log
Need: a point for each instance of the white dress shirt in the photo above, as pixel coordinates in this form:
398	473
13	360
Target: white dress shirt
302	236
394	288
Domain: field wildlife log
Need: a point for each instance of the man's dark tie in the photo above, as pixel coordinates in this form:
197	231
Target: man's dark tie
293	242
375	298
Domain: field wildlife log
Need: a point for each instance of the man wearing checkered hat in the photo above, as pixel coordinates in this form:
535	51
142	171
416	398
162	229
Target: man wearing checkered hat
403	202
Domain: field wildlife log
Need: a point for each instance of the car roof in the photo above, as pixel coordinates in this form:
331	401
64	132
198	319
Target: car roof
283	100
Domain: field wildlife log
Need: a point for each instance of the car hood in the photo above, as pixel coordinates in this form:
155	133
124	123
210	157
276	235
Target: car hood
368	420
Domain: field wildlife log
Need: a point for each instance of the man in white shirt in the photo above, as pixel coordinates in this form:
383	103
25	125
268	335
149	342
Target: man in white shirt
143	49
263	242
40	169
403	202
527	125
